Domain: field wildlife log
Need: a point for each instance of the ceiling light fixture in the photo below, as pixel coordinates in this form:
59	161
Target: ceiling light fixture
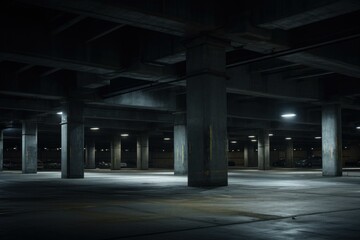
167	139
317	137
288	115
233	142
59	113
251	136
124	135
94	128
288	138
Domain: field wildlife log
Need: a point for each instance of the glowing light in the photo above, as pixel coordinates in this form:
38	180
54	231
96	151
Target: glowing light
251	136
317	137
288	138
271	134
94	128
288	115
253	140
167	139
59	113
124	135
233	142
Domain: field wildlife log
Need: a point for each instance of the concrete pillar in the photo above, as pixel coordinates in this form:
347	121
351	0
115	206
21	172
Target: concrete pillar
263	150
180	145
331	140
206	113
246	156
116	153
29	147
90	160
142	151
72	140
289	153
1	150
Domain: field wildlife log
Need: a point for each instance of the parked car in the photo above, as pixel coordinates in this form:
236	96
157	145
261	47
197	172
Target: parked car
309	162
279	163
103	164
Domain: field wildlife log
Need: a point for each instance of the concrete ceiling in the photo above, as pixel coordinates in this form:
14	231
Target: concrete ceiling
126	60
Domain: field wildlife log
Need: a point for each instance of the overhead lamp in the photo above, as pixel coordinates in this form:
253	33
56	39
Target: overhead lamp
288	115
251	136
253	140
124	135
271	134
358	127
167	139
317	137
233	142
288	138
59	113
94	128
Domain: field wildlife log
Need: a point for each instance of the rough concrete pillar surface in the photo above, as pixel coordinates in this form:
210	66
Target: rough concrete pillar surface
290	153
331	140
116	152
246	156
90	160
29	147
263	150
72	140
1	150
206	113
180	146
142	151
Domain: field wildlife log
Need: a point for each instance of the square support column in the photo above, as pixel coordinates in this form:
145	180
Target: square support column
290	153
206	113
180	145
29	147
263	150
331	140
142	151
72	140
116	153
1	150
90	156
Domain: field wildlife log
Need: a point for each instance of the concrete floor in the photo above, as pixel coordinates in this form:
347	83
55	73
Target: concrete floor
130	204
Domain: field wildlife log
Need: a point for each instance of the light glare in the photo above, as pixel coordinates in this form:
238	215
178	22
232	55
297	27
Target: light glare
288	115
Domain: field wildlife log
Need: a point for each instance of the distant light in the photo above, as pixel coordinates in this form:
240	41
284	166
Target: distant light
358	127
288	138
271	134
251	136
124	135
163	150
312	148
238	150
294	149
106	150
126	150
57	149
167	139
288	115
14	148
345	147
94	128
317	137
59	113
256	150
253	140
232	150
274	149
45	148
102	150
233	142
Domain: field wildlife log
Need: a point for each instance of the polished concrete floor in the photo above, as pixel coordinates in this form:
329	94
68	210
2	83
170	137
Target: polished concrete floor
130	204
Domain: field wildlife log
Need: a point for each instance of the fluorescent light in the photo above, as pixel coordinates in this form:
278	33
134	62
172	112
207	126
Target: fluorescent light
358	127
317	137
251	136
59	113
124	135
233	142
167	139
253	140
271	134
94	128
288	115
288	138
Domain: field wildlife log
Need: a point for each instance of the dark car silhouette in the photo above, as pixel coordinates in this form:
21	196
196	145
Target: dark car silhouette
309	162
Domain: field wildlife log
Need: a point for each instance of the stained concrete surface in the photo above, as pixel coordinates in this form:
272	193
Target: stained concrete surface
155	204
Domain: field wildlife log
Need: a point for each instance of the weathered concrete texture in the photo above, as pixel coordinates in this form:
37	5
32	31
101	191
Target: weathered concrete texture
29	147
116	152
1	150
142	152
90	156
155	205
263	150
331	140
72	140
290	153
180	146
206	113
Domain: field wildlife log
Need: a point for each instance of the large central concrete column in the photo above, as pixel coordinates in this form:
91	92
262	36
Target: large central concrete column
263	150
90	160
29	147
72	140
1	149
142	151
180	145
331	140
290	153
206	113
116	153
